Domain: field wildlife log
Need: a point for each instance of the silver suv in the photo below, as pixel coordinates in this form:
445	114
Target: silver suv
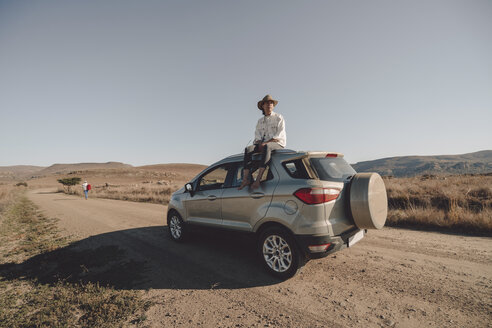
309	205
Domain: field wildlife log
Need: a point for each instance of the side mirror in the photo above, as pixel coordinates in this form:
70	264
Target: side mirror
189	188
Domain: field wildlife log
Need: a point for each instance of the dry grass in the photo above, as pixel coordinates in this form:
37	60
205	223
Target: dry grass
144	192
152	184
9	192
459	203
33	257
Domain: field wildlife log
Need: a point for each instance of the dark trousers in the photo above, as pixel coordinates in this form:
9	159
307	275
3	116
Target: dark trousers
266	155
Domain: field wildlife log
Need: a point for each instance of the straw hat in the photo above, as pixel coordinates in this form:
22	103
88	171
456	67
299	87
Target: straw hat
265	99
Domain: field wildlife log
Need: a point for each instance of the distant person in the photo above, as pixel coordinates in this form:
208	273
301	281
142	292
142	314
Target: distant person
269	135
86	187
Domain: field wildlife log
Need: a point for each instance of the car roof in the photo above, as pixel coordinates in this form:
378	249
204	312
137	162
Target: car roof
287	153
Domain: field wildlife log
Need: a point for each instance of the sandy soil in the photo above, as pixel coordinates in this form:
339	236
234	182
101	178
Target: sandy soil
392	278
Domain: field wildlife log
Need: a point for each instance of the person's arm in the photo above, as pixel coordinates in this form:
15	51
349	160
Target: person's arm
271	140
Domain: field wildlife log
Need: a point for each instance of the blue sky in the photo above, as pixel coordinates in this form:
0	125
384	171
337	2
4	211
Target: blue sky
146	82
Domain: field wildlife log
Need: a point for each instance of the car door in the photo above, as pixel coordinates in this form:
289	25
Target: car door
204	207
241	209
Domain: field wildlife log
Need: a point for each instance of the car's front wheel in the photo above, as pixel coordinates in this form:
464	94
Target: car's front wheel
279	253
176	226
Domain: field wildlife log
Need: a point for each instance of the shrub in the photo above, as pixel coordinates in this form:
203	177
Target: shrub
68	182
452	202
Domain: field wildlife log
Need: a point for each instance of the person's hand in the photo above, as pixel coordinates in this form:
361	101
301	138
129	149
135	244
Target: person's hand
260	146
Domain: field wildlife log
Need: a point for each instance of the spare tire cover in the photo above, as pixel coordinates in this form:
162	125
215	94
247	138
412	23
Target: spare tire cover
368	201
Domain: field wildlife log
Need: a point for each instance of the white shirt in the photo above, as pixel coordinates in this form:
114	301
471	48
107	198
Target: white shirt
84	185
271	127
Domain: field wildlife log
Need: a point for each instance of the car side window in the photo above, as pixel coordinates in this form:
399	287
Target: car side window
238	176
214	179
296	169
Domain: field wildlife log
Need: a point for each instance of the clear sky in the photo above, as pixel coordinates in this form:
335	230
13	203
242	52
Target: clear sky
146	82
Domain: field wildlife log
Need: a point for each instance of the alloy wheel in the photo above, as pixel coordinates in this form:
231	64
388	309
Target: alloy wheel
175	227
277	253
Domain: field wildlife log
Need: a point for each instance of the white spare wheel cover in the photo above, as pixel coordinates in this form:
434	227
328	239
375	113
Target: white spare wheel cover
368	201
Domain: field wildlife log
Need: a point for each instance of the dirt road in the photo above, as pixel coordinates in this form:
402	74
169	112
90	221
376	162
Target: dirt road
393	277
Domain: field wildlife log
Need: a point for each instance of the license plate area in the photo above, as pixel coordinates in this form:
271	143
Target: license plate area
355	238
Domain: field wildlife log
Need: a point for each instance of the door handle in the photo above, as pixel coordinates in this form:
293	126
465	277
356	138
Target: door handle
257	195
212	197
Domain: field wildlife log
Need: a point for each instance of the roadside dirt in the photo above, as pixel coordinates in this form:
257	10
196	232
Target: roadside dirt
392	278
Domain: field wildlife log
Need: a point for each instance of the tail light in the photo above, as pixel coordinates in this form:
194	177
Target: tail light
331	155
312	196
319	248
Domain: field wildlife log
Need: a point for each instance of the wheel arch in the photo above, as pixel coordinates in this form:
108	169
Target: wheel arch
270	224
172	210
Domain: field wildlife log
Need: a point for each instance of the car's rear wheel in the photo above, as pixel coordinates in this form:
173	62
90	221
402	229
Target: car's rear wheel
279	253
176	226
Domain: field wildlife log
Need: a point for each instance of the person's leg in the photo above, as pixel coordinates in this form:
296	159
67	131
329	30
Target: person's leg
265	160
248	156
85	192
256	184
267	153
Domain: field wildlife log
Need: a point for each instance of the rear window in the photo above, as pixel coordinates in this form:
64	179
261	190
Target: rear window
332	168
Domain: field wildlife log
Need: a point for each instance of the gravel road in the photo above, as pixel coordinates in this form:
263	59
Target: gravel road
392	278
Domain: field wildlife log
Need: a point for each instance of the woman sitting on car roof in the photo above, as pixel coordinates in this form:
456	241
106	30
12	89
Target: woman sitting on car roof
269	135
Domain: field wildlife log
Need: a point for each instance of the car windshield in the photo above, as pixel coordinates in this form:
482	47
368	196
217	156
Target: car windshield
332	168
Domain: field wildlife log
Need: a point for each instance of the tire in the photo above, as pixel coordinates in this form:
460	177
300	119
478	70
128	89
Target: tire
279	253
176	226
368	201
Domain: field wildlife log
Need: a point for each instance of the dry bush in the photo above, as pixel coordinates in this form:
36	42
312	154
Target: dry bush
462	203
139	185
148	192
7	195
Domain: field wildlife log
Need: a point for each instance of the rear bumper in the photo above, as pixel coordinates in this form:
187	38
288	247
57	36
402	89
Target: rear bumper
336	243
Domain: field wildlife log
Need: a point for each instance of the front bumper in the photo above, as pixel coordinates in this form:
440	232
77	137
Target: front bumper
336	243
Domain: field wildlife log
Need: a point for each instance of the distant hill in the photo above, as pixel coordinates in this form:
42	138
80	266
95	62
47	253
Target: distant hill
403	166
175	167
406	166
21	172
18	171
67	168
